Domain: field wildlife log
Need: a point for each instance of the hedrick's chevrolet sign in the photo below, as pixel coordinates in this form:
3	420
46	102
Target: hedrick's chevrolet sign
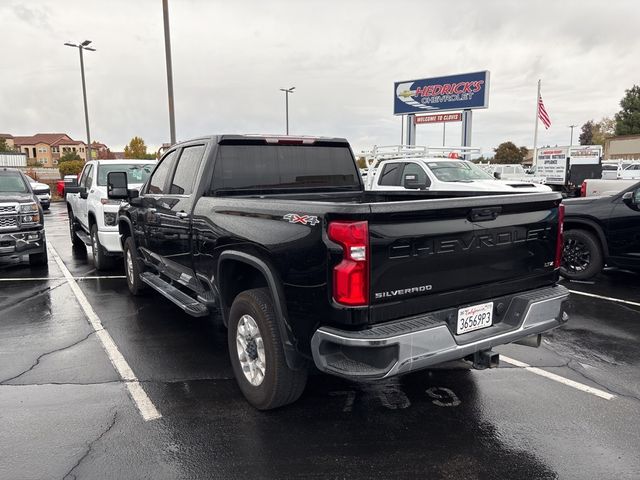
454	92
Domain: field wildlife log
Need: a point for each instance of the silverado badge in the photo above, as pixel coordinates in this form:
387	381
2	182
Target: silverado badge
302	219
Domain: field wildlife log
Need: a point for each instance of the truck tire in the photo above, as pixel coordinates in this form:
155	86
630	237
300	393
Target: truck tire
582	256
256	353
75	240
100	258
39	259
133	267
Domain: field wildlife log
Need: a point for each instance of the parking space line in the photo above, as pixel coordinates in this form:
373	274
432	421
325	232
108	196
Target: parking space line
552	376
611	299
39	279
142	401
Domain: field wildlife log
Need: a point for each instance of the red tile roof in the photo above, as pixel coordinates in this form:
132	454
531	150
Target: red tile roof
48	138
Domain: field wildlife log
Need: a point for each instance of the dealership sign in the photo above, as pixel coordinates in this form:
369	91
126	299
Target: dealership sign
453	92
439	118
551	163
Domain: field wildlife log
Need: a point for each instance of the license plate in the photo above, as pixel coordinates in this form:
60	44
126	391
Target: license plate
475	317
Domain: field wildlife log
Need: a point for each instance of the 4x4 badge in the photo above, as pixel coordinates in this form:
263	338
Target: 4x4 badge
302	219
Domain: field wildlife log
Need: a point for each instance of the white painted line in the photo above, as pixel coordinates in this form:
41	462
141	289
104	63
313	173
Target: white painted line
611	299
146	408
552	376
39	279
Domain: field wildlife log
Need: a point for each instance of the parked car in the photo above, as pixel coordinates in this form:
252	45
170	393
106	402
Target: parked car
609	171
42	191
631	172
440	175
510	172
601	231
21	219
278	237
92	216
595	187
68	180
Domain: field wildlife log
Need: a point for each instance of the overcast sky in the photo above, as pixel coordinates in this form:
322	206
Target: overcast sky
231	57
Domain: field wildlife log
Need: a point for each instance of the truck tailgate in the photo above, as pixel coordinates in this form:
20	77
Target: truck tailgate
434	254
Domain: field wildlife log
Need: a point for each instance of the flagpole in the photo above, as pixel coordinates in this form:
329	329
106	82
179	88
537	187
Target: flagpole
535	133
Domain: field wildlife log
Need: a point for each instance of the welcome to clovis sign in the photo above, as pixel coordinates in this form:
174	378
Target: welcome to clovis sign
453	92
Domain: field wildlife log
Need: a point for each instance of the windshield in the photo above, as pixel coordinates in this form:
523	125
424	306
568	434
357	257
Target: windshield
136	173
458	171
12	182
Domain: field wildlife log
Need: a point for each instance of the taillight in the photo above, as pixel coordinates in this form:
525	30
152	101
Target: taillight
583	189
351	275
559	241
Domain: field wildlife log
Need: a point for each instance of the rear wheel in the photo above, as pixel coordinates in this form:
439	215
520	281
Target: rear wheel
582	256
256	353
100	258
133	267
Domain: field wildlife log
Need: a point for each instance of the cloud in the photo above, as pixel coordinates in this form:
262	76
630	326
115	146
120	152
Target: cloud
231	58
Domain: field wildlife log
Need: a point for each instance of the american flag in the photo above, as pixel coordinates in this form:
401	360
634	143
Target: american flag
542	114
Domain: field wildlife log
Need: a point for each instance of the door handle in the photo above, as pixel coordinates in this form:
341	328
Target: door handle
151	210
182	214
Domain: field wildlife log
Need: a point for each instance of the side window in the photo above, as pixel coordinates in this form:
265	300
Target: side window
158	180
390	175
415	169
186	171
86	174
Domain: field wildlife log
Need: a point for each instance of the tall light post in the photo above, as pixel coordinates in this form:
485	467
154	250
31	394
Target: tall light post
287	91
571	139
167	54
84	46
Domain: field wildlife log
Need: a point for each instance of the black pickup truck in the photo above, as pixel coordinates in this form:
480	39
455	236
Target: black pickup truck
21	219
601	231
278	238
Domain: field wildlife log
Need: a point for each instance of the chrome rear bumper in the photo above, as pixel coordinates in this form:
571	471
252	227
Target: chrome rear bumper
418	342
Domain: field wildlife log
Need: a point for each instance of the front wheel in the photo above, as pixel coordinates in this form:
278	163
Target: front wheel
100	258
39	259
256	353
582	256
133	268
75	240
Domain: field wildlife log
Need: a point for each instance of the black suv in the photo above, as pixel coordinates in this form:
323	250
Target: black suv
21	219
599	231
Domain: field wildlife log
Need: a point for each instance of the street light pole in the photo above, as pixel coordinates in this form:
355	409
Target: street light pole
84	46
167	53
287	91
571	140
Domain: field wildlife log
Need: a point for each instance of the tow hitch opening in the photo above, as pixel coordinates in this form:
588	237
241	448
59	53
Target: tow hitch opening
484	359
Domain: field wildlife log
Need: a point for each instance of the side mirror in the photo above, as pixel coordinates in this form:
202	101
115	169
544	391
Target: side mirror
117	186
632	199
75	189
412	182
497	175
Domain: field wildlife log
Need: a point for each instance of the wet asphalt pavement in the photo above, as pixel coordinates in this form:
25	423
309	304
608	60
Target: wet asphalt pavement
66	413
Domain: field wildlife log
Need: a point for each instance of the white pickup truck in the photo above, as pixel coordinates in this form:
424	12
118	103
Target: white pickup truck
92	216
442	174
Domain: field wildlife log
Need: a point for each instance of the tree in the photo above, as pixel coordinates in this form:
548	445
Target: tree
106	155
586	133
628	118
70	167
361	162
137	149
602	130
69	157
4	147
507	152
